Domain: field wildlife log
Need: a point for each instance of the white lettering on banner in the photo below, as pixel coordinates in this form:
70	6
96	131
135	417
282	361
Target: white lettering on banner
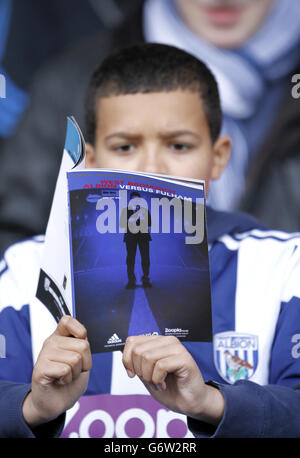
142	415
97	415
164	417
118	428
296	348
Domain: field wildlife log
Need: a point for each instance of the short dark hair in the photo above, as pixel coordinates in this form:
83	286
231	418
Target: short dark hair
152	67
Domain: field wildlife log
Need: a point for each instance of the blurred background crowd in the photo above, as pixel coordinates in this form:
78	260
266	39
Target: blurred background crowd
49	49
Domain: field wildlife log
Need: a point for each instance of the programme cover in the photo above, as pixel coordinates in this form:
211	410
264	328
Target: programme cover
139	257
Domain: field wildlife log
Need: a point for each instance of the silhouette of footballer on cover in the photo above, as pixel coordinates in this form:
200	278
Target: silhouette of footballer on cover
137	235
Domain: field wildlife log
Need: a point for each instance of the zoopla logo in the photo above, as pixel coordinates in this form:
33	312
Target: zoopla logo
2	87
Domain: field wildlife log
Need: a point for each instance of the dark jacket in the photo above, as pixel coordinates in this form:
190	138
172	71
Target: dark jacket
31	159
12	423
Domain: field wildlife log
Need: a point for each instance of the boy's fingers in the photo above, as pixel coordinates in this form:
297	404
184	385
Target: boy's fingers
148	358
53	370
77	347
126	358
131	346
70	327
67	327
72	359
165	366
68	341
141	353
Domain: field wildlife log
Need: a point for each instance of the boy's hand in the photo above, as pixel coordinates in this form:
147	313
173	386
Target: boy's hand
172	377
61	373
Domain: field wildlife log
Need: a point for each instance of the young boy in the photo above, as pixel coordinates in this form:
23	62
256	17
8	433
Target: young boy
154	108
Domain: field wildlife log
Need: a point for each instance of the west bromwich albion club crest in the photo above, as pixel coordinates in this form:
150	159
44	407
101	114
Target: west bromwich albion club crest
235	355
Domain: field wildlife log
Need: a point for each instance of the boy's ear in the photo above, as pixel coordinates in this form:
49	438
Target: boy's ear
221	152
90	159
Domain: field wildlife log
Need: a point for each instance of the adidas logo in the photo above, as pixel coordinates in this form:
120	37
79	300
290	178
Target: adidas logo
114	339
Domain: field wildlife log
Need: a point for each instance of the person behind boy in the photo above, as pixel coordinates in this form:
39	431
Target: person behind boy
154	108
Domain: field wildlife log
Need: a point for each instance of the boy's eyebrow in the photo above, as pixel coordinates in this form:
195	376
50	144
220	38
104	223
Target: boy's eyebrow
121	134
178	133
170	134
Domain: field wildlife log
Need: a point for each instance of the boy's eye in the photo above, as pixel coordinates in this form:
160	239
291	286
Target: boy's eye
180	146
124	148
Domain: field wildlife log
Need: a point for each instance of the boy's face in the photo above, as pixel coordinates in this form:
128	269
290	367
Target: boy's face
161	132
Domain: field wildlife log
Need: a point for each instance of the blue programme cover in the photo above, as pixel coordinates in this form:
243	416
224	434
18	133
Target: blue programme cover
139	257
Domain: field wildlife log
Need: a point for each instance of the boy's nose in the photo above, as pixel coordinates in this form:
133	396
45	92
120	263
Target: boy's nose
153	161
